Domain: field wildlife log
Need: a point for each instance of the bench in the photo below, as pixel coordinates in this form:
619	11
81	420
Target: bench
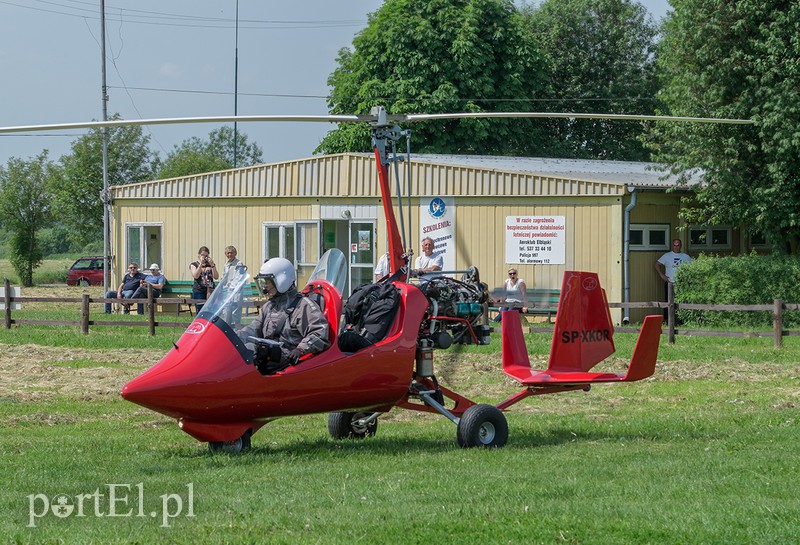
182	289
541	301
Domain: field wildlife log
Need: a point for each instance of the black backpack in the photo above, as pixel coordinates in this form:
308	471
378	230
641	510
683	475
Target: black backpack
368	315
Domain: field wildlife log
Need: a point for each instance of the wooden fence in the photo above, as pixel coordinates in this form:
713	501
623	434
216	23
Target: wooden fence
778	309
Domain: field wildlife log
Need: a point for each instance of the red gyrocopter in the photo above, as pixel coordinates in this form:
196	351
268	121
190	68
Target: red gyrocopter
206	385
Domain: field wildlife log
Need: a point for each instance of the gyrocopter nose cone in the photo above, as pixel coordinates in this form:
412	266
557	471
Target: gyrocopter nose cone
190	379
154	393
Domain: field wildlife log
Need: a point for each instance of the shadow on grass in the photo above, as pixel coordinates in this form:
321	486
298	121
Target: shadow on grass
316	449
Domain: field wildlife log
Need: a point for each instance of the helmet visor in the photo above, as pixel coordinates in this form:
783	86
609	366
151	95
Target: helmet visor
265	283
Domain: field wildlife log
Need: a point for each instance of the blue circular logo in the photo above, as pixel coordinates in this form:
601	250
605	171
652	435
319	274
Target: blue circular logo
436	208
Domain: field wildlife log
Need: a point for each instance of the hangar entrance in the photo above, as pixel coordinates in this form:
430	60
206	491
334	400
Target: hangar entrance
356	239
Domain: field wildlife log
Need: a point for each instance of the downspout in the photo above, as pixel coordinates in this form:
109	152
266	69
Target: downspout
626	256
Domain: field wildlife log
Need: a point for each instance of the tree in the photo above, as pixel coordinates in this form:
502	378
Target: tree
439	56
195	155
600	57
79	184
25	209
736	60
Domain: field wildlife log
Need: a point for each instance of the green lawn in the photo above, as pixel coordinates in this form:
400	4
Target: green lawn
704	452
51	271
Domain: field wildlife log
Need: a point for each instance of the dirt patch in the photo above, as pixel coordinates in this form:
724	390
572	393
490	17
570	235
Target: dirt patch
32	372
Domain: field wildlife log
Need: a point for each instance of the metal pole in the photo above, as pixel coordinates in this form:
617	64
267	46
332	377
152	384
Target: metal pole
236	86
104	194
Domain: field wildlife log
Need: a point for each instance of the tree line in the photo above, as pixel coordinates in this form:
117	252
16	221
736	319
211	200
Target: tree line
707	58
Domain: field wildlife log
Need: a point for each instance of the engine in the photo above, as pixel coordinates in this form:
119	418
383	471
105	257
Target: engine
455	311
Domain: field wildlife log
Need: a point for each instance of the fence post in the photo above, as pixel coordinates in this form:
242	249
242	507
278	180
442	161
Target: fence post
85	314
7	301
151	310
777	322
671	312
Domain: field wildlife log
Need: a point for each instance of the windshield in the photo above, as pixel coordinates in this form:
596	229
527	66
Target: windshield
333	268
234	299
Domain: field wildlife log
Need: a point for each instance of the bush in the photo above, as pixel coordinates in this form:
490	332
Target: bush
745	280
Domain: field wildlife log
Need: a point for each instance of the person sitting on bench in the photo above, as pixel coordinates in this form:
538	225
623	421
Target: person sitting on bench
130	283
155	280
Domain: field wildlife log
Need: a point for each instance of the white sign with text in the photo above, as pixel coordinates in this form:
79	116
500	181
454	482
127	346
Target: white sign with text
535	240
437	220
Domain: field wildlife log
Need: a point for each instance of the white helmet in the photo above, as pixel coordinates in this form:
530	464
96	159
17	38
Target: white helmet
280	271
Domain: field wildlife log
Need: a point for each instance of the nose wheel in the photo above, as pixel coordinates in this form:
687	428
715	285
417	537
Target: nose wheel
236	446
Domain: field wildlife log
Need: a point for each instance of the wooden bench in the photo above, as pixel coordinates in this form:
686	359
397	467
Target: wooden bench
177	289
541	301
182	289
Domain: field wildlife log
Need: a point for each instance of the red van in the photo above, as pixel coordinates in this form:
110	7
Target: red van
86	271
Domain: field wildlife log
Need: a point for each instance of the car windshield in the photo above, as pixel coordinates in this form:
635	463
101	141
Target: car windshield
233	300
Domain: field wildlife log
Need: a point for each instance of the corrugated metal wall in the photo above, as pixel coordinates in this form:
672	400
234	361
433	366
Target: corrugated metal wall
229	207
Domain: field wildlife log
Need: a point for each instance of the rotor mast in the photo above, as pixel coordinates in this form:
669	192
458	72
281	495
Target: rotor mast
382	132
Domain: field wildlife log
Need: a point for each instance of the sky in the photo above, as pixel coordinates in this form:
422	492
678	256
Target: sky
175	59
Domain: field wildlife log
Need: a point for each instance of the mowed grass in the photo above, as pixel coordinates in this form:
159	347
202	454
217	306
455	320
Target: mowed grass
704	452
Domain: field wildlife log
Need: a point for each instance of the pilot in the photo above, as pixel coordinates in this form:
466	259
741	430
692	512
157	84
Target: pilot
287	317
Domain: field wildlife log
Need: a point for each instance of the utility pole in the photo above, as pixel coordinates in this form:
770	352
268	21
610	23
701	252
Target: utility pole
236	84
104	196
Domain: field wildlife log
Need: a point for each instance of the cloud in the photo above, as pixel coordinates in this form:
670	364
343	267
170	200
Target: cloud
170	70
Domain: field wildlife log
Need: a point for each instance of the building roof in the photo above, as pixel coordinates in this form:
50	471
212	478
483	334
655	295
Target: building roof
354	174
636	174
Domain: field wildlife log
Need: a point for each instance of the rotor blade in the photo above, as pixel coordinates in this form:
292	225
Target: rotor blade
184	120
555	115
367	118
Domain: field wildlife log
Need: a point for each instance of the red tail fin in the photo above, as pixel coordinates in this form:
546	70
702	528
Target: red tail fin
583	335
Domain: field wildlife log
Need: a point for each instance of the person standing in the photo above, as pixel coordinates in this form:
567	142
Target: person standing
130	283
516	294
232	312
382	268
232	261
427	262
204	271
667	265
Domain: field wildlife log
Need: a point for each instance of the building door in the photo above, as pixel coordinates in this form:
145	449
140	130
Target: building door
362	252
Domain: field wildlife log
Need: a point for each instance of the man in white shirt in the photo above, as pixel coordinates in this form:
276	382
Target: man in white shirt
667	264
382	268
427	262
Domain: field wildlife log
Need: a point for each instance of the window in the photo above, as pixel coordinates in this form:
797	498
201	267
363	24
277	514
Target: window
649	237
710	238
758	240
279	240
143	244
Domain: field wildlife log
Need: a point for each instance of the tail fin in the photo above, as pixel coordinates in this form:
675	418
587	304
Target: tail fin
643	361
583	335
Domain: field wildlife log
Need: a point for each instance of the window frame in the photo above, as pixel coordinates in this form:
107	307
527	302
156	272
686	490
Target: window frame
646	229
709	246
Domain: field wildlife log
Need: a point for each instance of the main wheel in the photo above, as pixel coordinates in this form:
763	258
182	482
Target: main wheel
482	426
345	426
232	447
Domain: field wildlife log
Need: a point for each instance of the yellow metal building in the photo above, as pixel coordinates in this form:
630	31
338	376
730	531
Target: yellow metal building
298	209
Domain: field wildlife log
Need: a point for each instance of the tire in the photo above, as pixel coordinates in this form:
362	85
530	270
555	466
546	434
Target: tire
82	282
343	426
237	446
482	426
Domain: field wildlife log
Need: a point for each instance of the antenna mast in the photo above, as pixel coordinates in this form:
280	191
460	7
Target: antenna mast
104	195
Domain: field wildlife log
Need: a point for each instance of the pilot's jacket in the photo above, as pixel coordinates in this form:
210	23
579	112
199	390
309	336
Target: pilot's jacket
305	328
